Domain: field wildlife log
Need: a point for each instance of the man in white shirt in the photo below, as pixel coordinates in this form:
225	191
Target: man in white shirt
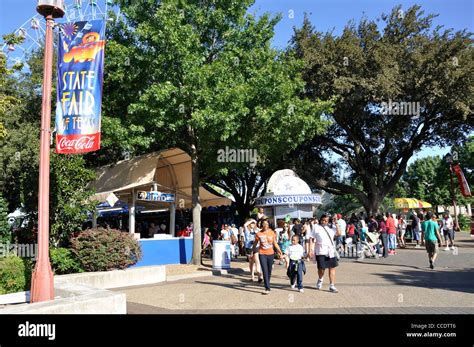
325	250
341	240
225	234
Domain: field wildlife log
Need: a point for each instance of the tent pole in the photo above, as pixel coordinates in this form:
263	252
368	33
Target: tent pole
173	218
131	215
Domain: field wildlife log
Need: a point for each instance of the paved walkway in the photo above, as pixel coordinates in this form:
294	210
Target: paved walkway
400	284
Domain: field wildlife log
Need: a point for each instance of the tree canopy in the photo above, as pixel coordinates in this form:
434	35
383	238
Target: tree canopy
376	71
211	80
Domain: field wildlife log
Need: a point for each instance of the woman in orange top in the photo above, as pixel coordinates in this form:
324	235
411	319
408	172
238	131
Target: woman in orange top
267	240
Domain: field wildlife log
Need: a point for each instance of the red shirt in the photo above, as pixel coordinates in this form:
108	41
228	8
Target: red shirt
350	229
391	226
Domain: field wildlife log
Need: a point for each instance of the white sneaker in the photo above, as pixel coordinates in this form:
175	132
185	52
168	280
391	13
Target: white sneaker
333	289
453	248
446	249
319	285
293	286
417	246
301	290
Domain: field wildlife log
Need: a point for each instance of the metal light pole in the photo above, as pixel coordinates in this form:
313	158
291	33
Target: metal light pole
449	159
42	285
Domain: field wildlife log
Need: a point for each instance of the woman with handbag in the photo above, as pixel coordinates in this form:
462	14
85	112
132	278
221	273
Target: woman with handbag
325	251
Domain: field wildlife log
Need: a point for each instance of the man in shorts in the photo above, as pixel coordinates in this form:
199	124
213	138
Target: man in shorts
430	232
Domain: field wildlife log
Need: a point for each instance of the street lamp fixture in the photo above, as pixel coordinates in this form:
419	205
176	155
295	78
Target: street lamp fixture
54	8
448	158
42	285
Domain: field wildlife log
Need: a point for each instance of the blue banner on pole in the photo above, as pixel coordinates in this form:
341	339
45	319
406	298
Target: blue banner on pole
79	87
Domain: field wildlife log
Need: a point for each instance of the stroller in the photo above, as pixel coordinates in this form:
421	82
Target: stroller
369	249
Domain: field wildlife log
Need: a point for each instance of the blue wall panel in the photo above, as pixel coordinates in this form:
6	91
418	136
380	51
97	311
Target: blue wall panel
163	252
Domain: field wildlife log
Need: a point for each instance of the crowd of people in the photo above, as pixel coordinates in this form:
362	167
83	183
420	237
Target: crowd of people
292	242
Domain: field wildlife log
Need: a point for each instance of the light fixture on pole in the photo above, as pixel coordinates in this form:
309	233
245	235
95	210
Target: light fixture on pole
42	286
450	159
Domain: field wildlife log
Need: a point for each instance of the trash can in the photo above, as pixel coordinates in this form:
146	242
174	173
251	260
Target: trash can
221	254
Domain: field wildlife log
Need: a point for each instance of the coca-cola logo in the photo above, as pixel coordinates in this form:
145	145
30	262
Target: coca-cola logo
79	144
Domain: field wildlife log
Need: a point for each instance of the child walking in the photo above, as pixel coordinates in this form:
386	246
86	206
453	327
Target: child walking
296	268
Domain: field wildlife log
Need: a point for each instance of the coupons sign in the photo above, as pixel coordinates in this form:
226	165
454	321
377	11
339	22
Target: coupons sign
79	86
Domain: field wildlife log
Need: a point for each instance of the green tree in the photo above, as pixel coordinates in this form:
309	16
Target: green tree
428	179
212	80
20	104
400	59
69	196
5	232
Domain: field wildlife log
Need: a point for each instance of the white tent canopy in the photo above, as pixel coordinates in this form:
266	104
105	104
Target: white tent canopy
170	169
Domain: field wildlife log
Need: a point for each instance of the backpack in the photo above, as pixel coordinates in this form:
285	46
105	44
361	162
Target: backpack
373	226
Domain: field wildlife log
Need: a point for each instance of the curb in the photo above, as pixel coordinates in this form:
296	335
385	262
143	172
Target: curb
188	276
223	272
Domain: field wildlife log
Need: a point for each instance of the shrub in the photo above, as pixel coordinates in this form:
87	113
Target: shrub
464	222
15	274
63	261
106	249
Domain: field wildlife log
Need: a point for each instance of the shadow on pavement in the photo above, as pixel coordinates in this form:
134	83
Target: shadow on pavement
246	284
459	280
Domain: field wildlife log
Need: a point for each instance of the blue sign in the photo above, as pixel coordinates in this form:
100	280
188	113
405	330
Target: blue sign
274	200
155	196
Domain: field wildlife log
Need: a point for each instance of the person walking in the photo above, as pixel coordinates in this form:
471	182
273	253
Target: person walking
297	228
392	234
207	243
415	228
304	232
324	250
341	240
266	240
250	230
383	235
295	271
284	242
401	229
448	231
363	230
430	233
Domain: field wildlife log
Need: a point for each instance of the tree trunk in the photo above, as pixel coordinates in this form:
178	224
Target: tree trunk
196	260
372	204
243	209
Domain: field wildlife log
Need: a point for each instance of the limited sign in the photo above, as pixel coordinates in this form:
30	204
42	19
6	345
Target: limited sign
155	196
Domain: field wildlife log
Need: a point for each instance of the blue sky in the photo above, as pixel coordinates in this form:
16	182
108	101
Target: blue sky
324	14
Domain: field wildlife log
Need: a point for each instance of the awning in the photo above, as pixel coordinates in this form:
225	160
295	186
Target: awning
410	203
170	169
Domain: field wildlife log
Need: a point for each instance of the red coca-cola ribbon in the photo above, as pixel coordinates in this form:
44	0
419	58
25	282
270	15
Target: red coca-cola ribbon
465	190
